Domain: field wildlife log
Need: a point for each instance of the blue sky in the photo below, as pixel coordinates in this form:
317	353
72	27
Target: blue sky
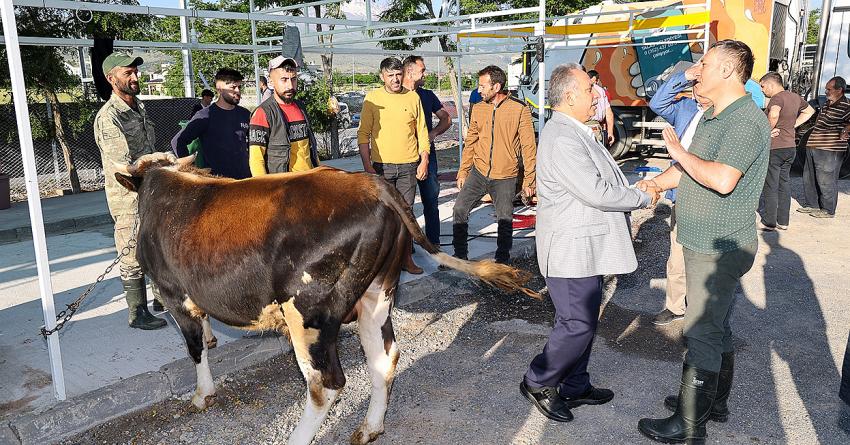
165	3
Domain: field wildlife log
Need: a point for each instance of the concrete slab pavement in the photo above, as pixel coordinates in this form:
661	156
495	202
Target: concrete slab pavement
110	369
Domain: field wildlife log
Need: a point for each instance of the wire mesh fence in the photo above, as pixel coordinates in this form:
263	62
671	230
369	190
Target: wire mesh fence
54	155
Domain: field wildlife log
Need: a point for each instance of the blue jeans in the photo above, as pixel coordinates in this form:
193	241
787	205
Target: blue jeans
429	190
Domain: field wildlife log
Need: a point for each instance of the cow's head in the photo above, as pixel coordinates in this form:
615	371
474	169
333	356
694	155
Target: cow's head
130	176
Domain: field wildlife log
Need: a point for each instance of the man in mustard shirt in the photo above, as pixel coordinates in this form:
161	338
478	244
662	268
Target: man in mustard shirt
393	137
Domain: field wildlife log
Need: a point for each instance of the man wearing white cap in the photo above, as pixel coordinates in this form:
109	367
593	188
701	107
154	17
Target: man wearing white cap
280	138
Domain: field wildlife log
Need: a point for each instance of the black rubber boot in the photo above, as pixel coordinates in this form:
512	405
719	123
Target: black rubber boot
687	424
460	233
504	241
720	409
157	305
137	304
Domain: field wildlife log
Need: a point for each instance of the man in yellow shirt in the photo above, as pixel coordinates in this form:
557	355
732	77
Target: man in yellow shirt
280	138
393	137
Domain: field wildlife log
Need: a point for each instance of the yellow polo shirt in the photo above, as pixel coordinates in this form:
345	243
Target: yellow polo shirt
394	126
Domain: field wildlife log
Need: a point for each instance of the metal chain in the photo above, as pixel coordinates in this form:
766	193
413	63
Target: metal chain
65	315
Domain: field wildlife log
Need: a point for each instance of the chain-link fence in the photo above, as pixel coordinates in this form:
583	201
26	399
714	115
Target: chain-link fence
77	147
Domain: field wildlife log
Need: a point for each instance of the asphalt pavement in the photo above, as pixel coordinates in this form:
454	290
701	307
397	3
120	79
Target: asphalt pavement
464	349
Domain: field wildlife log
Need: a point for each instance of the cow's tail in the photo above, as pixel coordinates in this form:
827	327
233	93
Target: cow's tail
502	276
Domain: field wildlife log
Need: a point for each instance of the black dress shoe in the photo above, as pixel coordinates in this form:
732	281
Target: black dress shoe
547	401
593	396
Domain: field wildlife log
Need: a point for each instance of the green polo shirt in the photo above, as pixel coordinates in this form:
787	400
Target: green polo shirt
712	223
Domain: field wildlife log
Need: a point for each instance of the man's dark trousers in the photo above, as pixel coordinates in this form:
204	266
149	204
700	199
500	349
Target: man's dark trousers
820	178
712	280
502	191
776	195
429	190
564	359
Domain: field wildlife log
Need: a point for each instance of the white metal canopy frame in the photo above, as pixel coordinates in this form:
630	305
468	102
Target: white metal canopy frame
518	24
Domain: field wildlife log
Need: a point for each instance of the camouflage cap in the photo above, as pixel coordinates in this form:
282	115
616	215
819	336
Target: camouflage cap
120	58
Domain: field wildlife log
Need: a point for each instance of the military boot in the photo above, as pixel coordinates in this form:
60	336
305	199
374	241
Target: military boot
460	233
137	304
157	305
504	241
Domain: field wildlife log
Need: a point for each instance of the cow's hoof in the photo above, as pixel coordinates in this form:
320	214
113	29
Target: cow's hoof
203	402
363	435
212	343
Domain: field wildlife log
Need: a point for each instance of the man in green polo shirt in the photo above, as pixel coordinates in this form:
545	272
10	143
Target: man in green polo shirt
720	180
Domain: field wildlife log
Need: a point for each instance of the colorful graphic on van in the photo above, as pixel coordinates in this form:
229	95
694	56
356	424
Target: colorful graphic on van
631	74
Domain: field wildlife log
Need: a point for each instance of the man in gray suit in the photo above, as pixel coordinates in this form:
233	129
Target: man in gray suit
583	233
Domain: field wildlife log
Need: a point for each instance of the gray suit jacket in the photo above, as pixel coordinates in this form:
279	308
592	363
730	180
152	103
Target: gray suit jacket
583	226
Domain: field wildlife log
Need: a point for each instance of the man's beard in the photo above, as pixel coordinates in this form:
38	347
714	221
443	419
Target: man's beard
286	99
232	100
127	88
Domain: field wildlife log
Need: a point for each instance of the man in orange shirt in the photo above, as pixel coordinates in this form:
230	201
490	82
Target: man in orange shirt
280	138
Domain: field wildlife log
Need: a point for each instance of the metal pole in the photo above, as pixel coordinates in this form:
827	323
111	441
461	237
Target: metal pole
368	13
188	78
459	99
706	38
825	13
10	31
539	30
254	52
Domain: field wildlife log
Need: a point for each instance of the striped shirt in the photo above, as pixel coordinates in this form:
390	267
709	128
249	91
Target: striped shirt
832	119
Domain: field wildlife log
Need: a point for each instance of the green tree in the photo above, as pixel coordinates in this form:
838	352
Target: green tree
813	28
239	32
220	31
43	65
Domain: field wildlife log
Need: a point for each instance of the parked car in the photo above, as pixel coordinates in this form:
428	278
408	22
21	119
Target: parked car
344	116
355	120
354	100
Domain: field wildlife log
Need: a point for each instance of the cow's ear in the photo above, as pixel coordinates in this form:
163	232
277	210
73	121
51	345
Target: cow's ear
131	183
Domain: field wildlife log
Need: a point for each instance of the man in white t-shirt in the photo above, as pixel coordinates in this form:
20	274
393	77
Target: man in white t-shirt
684	113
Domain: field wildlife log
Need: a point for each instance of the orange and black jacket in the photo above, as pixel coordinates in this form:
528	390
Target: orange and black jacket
499	136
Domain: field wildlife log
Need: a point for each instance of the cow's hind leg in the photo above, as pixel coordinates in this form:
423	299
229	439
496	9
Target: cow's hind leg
375	325
191	325
316	353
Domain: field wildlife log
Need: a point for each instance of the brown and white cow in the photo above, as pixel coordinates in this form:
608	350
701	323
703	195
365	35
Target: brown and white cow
299	253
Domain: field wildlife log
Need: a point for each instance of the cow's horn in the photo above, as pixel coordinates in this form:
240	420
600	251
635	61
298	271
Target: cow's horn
186	160
122	168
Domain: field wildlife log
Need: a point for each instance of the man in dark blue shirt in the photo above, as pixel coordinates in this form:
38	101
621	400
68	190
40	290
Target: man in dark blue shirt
429	188
222	128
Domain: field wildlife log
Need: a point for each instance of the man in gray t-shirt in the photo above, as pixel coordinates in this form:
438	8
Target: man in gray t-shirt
785	112
720	179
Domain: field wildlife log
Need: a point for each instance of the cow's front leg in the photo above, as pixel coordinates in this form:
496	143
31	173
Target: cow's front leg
193	332
375	325
316	353
209	337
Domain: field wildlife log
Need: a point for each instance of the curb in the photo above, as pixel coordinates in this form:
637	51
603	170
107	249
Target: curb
177	378
60	227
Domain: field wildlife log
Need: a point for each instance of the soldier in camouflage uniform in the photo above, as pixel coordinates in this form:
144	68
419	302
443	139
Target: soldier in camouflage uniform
124	133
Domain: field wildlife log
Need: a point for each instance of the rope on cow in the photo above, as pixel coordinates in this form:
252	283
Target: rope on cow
70	309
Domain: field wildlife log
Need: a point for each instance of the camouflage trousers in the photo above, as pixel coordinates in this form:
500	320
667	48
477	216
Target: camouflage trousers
129	266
